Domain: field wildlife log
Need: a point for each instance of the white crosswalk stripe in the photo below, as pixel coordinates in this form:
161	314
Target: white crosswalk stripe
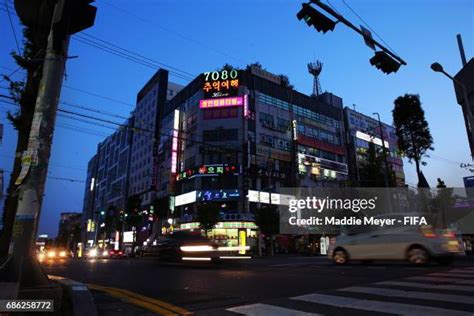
440	279
430	286
379	306
264	309
412	296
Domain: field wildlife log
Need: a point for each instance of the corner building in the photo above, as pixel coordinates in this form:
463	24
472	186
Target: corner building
235	137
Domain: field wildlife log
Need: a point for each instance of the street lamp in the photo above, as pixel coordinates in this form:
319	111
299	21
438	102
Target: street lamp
437	67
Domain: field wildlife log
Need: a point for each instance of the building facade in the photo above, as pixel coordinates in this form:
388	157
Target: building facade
236	137
107	181
363	131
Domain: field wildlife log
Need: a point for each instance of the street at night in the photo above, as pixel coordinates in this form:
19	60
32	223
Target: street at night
273	283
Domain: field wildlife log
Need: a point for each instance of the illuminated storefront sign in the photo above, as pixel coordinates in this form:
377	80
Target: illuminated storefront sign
185	198
211	195
174	145
268	197
294	125
218	84
316	164
209	171
195	225
128	236
221	102
371	139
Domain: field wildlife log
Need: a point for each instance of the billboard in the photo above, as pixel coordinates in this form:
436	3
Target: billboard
219	84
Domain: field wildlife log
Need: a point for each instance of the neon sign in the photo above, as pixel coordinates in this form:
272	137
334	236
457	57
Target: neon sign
221	102
208	171
219	84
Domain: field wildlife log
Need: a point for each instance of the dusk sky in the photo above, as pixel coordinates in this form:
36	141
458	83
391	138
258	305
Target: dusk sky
198	36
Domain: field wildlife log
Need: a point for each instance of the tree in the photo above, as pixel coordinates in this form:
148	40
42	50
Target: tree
24	94
255	64
208	214
372	170
227	67
285	81
268	221
411	127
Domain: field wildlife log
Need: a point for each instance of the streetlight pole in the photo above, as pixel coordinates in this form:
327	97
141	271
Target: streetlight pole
437	67
384	152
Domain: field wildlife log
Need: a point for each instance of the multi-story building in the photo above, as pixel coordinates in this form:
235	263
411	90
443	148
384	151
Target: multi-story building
125	162
362	131
107	181
69	230
151	102
234	137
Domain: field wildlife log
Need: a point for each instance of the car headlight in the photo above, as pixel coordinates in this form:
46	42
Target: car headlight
62	254
196	248
41	256
51	254
93	253
105	253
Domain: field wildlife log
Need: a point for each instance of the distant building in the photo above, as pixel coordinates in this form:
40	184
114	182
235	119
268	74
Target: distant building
363	130
107	180
69	230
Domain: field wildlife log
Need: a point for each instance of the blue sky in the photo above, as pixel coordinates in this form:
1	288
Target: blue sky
197	36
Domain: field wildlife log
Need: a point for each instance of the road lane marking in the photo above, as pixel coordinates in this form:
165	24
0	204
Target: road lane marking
441	279
153	304
411	294
378	306
430	286
264	309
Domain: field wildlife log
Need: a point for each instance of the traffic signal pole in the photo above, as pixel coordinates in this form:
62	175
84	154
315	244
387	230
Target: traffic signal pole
35	162
343	20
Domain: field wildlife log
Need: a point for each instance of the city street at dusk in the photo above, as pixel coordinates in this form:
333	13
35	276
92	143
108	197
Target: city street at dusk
250	157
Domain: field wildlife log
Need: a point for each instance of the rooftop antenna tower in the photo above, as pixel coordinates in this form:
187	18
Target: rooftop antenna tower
314	69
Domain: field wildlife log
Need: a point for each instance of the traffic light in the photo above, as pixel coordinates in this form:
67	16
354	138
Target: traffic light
384	62
316	19
76	16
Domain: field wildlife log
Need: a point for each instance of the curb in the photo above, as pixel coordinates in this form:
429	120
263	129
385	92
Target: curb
81	298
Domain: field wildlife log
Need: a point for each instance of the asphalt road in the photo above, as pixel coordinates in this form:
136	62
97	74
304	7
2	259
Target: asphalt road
285	285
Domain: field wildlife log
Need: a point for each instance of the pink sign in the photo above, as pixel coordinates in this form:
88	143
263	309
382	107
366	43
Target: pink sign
221	102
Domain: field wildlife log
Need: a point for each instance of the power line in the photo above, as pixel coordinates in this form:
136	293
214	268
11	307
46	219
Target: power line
368	26
51	164
13	28
94	110
55	178
128	56
97	95
137	54
185	37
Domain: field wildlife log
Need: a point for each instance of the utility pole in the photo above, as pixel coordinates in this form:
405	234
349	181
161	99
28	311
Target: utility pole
35	160
68	18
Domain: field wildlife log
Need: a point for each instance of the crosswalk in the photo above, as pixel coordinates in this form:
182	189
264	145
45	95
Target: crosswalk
447	293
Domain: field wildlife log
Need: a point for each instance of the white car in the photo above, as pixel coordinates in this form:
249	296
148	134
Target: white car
417	244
